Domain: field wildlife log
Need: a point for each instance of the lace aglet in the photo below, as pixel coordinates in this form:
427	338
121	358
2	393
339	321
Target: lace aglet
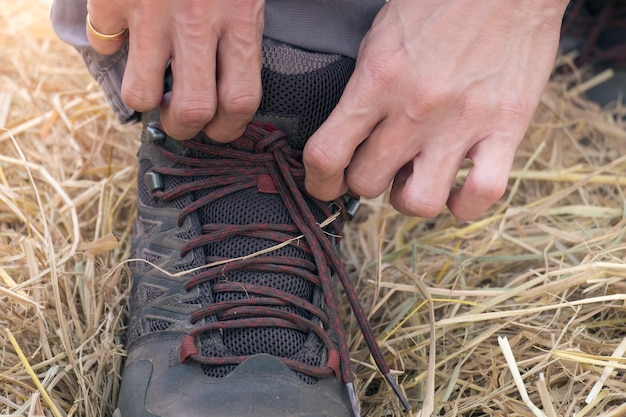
399	393
352	205
354	402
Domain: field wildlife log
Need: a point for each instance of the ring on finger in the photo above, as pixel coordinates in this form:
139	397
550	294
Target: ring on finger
104	37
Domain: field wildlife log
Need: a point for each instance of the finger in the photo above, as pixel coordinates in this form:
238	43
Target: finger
329	151
148	56
100	21
193	98
487	180
378	159
422	187
239	83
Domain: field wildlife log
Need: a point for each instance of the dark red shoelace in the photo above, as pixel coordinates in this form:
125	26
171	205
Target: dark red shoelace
263	158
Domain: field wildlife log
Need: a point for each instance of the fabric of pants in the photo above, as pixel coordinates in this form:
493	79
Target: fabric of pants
329	26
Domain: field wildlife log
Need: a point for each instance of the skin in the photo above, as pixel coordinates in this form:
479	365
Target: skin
435	82
202	39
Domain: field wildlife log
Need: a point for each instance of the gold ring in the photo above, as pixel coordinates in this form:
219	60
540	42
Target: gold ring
103	37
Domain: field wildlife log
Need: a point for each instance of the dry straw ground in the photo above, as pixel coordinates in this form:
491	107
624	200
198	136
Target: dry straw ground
520	313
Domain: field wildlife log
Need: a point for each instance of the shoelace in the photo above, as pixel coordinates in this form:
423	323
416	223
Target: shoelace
276	165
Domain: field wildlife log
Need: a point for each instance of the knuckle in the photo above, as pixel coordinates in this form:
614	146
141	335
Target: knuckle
381	72
319	160
194	112
426	204
487	191
364	186
253	11
418	211
494	191
423	210
139	96
241	103
428	98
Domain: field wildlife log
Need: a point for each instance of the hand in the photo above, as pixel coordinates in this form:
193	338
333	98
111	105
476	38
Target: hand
437	82
214	47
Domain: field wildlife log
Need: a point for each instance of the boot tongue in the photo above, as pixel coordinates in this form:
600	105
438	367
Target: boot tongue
300	88
287	123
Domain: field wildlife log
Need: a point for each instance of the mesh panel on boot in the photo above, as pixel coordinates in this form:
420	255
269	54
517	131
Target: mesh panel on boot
290	90
246	207
143	295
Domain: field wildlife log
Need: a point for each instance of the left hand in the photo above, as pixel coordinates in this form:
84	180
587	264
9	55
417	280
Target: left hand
213	48
437	82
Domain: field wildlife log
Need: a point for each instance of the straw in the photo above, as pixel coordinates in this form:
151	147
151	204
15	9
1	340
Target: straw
518	313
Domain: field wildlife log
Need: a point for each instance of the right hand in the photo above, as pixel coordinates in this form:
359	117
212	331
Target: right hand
437	82
214	48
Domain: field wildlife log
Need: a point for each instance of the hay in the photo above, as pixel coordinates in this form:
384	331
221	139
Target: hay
520	313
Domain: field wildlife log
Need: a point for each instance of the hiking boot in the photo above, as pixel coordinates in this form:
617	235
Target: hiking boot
232	310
